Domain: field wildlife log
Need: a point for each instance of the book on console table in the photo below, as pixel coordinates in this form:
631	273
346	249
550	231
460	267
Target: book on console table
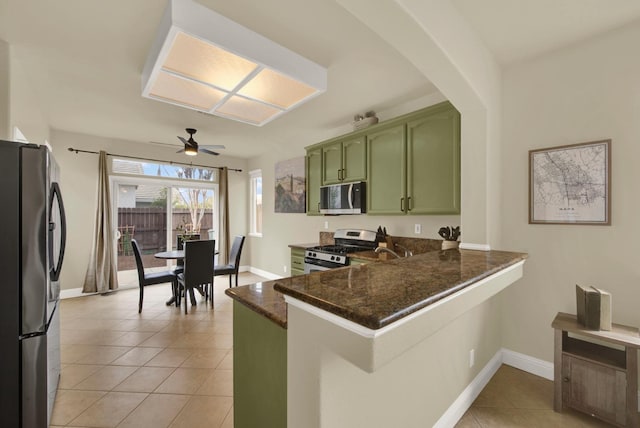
593	307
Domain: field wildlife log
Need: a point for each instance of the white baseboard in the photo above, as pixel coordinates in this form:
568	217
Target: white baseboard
470	393
528	364
77	292
520	361
264	273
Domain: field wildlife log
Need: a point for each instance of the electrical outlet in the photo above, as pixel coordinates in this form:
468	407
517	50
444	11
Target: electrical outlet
285	268
417	229
472	358
326	225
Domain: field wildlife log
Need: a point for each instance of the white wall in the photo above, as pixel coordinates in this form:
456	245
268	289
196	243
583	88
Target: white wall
4	90
271	252
583	93
79	180
25	112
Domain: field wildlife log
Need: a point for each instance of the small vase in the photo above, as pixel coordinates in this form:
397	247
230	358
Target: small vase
448	245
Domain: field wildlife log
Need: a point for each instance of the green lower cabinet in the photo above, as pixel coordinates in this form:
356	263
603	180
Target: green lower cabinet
259	370
355	261
297	261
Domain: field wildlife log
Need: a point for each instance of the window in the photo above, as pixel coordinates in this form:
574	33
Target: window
255	203
162	170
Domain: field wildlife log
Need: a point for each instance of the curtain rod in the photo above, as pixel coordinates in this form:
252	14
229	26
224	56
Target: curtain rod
71	149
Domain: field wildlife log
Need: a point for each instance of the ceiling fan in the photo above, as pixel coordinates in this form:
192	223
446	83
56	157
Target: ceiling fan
192	148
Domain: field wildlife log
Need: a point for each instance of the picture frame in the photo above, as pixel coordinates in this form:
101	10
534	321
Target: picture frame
290	186
571	184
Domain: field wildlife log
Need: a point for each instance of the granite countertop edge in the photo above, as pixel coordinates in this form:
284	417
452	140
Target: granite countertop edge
375	321
267	298
275	311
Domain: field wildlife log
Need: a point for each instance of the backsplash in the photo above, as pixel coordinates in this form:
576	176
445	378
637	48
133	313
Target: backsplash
416	245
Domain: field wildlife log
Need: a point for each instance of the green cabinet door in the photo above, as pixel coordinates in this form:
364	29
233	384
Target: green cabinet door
433	163
314	178
332	163
386	160
297	261
354	159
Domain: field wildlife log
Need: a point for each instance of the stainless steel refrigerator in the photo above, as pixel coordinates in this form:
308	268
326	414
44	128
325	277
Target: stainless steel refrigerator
32	241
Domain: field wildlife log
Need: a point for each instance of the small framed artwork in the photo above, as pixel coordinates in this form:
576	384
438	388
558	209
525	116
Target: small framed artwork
571	184
290	193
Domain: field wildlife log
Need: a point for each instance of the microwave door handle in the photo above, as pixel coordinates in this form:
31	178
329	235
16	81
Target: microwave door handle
351	196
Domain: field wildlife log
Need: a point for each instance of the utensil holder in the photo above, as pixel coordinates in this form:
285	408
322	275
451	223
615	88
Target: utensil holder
449	245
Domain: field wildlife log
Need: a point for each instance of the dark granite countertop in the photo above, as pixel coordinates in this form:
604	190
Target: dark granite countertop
375	295
263	299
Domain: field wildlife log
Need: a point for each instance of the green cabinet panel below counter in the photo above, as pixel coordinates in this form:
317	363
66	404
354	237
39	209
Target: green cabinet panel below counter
259	370
297	261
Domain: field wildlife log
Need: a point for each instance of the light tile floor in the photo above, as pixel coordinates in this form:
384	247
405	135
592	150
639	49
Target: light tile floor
160	368
514	398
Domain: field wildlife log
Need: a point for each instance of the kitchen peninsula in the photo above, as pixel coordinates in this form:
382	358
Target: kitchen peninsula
377	344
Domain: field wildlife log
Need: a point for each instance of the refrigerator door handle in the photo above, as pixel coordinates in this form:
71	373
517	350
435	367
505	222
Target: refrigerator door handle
57	196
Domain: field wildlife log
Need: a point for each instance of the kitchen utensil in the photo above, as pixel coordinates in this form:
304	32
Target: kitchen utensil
455	233
444	232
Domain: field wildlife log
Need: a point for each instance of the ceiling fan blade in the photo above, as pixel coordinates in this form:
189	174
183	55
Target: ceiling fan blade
185	142
180	151
203	150
214	146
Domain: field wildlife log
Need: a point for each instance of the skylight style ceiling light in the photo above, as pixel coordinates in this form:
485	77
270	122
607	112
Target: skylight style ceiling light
204	61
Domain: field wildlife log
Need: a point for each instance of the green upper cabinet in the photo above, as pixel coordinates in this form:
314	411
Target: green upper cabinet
433	163
344	161
331	163
314	178
414	165
387	171
411	164
354	159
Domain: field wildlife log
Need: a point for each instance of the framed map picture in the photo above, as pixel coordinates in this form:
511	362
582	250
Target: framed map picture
571	184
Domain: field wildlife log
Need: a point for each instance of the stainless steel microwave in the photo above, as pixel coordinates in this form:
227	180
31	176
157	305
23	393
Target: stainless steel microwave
346	198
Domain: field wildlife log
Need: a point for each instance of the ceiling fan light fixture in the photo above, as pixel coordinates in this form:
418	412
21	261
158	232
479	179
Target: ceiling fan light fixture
189	150
203	50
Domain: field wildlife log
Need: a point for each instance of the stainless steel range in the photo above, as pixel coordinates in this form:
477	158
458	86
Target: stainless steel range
325	257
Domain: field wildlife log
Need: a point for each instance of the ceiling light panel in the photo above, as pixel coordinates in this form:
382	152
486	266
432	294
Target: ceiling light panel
246	110
201	60
207	63
187	92
274	88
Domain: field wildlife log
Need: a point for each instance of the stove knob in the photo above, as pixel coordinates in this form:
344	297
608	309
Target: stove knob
332	258
338	259
313	255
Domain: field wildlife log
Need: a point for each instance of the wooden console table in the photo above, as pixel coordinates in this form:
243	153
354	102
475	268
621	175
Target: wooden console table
596	379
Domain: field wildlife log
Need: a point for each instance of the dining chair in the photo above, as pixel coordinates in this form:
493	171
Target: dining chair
151	278
198	269
234	260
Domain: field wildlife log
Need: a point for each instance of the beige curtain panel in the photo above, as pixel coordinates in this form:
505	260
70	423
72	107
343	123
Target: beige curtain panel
101	274
223	237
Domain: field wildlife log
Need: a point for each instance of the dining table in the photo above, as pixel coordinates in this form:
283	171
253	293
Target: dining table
170	255
177	255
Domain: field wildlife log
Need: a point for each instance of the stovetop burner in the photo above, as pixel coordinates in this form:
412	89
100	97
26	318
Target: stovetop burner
339	249
346	241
